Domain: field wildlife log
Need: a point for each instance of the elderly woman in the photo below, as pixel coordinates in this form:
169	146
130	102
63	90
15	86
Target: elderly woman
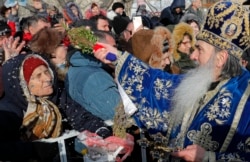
33	108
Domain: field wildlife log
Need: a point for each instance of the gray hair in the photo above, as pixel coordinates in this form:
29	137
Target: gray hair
232	67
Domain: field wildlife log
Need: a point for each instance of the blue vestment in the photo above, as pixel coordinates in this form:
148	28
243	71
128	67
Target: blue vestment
221	124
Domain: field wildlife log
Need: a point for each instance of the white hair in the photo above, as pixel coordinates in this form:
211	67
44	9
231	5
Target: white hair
191	89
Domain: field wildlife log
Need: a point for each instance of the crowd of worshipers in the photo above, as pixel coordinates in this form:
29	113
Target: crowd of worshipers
48	86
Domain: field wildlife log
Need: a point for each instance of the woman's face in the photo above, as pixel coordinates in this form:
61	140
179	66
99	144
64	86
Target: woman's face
195	28
40	83
95	10
74	10
185	45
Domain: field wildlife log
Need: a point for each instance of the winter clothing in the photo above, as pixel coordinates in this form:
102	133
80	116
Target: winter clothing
120	23
117	5
68	14
182	60
91	86
178	34
18	101
89	14
184	63
197	12
169	16
150	45
187	17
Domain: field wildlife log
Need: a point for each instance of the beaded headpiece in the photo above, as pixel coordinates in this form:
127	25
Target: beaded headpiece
227	27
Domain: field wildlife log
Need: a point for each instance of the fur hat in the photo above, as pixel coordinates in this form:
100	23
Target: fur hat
117	5
148	45
227	27
45	41
29	65
178	34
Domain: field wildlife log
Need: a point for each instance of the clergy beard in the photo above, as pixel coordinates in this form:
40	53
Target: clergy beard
194	85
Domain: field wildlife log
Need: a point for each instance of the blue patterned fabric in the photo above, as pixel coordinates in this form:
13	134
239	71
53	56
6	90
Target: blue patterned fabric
227	27
150	91
220	124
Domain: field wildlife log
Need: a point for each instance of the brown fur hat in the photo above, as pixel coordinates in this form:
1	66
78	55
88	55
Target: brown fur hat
141	45
45	41
148	45
178	34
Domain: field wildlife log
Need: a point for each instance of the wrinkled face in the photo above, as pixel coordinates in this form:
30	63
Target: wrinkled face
40	83
102	25
74	10
59	55
202	52
95	11
185	45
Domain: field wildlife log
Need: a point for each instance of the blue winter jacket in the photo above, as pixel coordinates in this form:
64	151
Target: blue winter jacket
91	86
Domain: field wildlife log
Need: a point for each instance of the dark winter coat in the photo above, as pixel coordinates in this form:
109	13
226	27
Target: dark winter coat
169	16
12	109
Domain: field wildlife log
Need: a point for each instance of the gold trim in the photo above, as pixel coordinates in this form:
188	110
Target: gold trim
121	61
220	42
236	119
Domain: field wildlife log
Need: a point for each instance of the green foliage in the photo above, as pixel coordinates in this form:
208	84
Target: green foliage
82	38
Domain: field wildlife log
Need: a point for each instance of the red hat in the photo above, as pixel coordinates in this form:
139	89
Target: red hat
30	65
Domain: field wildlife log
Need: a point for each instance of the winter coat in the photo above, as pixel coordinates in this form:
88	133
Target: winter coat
169	16
69	15
91	86
14	105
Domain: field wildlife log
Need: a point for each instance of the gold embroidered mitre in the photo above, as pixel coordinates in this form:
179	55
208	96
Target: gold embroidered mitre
227	27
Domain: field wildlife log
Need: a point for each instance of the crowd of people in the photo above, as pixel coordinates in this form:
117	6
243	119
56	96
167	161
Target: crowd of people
180	80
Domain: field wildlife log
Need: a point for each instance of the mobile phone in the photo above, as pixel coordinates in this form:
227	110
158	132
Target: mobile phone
137	22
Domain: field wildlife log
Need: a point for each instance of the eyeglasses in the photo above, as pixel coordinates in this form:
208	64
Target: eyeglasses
185	43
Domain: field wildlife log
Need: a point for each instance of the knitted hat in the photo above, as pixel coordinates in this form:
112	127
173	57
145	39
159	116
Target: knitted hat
29	65
227	27
120	23
117	5
4	28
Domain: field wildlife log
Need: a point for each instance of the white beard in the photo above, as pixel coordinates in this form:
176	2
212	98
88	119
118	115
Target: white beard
194	85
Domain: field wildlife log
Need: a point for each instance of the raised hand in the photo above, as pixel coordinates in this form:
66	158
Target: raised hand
12	47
